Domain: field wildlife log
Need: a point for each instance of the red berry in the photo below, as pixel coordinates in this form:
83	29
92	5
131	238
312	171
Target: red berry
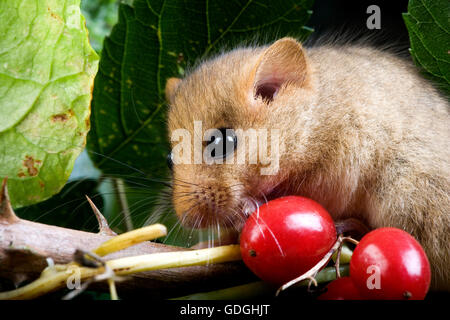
286	237
341	289
389	263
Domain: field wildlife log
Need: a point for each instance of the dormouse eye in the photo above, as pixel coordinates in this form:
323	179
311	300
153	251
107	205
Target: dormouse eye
222	142
169	160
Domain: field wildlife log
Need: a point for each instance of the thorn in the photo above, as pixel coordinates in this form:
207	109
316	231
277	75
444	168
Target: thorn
102	223
6	211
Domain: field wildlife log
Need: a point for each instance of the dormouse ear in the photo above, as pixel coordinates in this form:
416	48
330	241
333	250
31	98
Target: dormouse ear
171	87
283	62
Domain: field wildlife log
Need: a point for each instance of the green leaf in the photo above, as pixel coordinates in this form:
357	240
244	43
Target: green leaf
428	25
154	40
101	16
46	72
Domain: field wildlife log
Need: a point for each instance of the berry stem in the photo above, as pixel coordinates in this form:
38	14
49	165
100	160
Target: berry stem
323	262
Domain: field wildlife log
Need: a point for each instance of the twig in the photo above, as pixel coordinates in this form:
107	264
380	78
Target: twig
125	266
26	246
257	289
130	238
112	289
338	260
122	195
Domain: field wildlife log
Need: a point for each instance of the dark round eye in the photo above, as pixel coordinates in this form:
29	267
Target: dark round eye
222	143
169	160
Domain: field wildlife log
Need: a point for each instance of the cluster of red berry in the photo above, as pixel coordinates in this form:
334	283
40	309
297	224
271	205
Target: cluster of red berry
288	236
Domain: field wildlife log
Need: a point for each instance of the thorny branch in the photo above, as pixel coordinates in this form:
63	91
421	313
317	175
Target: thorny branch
25	247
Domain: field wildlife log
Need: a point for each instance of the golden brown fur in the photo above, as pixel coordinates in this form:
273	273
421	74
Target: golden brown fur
363	134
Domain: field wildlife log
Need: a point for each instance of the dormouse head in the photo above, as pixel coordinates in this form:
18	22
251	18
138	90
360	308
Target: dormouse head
230	124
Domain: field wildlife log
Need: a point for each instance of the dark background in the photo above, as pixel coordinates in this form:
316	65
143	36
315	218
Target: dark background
349	17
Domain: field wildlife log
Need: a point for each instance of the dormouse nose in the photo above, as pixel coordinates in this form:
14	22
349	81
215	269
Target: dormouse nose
200	205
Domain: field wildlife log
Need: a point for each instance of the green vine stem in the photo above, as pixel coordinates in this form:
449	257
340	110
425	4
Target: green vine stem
260	288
